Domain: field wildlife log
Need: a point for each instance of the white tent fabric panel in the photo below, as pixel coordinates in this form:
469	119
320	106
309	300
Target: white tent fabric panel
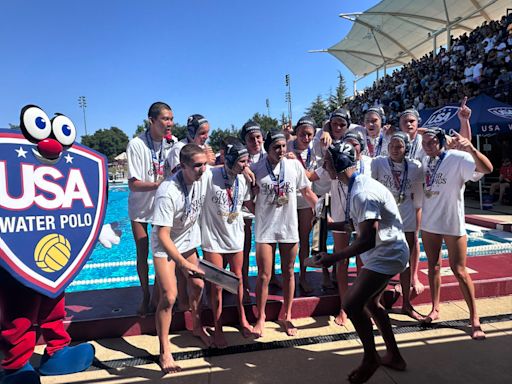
394	32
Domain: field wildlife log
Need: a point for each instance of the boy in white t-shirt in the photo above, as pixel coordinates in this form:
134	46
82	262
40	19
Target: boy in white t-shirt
146	156
222	227
278	180
446	171
174	239
383	249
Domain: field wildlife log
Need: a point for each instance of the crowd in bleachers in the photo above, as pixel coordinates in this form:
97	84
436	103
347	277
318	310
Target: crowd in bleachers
480	61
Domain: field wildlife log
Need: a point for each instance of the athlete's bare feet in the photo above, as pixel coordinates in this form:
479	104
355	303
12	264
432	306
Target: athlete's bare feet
341	318
304	286
203	335
394	362
363	373
432	316
258	328
219	340
167	364
411	312
247	331
477	333
289	328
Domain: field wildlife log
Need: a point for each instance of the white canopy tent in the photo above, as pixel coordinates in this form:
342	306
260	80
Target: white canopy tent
394	32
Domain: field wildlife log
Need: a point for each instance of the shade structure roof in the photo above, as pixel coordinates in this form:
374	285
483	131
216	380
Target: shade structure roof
394	32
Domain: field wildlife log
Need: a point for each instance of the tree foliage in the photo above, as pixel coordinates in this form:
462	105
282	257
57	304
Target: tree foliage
216	136
14	126
110	142
265	121
178	130
317	110
337	99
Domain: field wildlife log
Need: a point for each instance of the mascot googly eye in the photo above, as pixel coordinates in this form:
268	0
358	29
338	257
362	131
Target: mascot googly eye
52	137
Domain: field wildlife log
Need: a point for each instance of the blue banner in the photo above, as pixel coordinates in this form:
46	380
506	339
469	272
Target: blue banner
488	116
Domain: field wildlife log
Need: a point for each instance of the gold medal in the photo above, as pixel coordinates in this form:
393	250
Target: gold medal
232	217
399	199
282	200
428	193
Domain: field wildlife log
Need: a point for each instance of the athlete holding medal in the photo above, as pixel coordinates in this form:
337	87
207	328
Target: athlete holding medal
446	171
404	178
278	180
222	227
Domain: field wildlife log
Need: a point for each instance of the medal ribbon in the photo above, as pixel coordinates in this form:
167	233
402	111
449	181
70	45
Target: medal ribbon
430	175
307	164
158	163
371	149
399	184
188	205
233	200
414	148
278	182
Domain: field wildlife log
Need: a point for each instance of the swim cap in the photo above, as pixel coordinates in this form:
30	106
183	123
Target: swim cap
355	135
272	136
379	111
343	156
304	120
233	150
411	111
194	122
399	135
343	113
437	132
250	126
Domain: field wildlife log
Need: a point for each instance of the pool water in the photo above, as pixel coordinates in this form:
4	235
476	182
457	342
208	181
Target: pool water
116	267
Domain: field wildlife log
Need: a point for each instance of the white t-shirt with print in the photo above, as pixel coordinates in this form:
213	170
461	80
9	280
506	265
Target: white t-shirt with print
217	234
417	152
310	166
392	179
173	159
380	146
278	224
141	167
370	200
443	211
170	211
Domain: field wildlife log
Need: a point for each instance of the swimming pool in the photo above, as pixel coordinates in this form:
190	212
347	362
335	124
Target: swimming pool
116	267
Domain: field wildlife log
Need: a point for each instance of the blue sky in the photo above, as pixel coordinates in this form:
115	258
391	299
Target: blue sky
222	58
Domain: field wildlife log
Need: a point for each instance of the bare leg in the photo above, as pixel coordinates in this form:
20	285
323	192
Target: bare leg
341	240
264	258
288	254
195	290
432	244
405	281
247	252
165	270
140	236
235	263
457	255
417	286
305	217
365	294
219	340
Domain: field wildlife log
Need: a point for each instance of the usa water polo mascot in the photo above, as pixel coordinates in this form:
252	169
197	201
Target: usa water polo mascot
52	205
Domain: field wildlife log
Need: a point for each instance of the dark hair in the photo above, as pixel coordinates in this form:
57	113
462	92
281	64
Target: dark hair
188	152
156	108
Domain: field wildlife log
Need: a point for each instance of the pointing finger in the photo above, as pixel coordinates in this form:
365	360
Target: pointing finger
463	103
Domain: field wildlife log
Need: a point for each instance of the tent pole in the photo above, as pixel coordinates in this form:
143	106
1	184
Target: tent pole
479	181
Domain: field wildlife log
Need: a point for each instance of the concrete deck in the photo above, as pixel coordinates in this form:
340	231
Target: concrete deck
322	352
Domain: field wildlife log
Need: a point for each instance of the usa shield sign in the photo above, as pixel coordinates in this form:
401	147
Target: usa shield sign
50	214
